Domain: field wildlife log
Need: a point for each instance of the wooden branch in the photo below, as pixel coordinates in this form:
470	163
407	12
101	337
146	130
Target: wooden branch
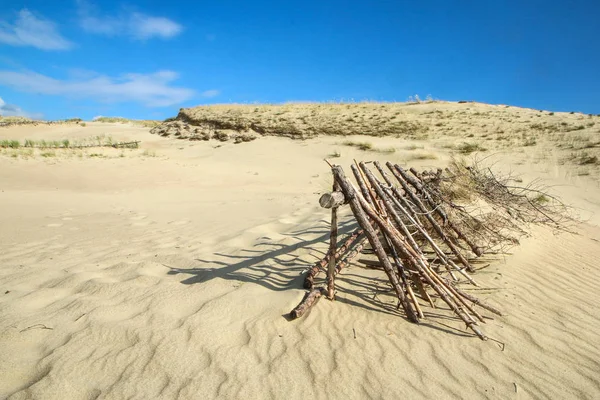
319	265
362	220
310	298
343	263
333	199
420	265
417	183
448	263
407	235
415	199
391	211
480	303
398	195
332	248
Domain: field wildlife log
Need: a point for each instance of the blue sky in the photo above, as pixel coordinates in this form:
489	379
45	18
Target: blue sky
81	58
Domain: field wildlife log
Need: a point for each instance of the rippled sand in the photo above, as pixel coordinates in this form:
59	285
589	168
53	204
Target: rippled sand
169	276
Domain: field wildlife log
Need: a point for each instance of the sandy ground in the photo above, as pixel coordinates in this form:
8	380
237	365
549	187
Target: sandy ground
167	271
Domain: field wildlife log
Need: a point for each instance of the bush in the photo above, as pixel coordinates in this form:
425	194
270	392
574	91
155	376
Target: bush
468	148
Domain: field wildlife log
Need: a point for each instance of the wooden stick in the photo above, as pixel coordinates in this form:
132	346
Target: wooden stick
319	265
380	193
478	302
423	268
432	221
445	261
309	299
332	248
362	220
391	211
417	183
424	295
399	196
347	259
333	199
441	255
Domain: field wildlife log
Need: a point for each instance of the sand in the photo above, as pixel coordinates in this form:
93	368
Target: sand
167	272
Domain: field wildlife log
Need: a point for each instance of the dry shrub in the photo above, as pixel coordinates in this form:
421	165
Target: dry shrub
495	209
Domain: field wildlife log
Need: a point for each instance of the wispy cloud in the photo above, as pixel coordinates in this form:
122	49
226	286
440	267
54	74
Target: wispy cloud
11	110
29	30
211	93
136	25
152	90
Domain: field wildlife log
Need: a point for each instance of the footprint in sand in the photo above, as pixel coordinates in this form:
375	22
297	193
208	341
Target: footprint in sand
146	223
181	222
138	220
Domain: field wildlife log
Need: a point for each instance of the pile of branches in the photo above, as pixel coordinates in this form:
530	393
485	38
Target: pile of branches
457	214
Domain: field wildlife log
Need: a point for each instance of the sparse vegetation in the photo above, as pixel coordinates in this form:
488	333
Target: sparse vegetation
360	145
585	158
96	141
149	153
121	120
13	144
468	148
541	199
387	150
412	147
422	156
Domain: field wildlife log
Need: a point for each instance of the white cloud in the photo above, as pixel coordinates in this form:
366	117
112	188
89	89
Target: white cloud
29	30
152	90
211	93
11	110
133	24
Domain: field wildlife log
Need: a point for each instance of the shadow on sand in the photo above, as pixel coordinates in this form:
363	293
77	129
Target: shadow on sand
280	267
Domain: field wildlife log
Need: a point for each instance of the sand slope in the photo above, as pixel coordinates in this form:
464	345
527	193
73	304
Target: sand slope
168	276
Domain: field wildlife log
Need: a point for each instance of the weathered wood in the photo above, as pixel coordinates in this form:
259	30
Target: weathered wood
362	220
388	218
407	235
332	245
424	295
309	299
333	199
480	303
367	195
319	265
436	227
417	183
391	211
398	195
448	263
429	275
343	263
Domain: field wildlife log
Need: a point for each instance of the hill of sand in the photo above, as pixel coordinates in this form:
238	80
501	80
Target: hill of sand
167	271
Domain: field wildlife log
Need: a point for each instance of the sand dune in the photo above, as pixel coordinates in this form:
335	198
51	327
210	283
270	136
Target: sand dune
167	273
